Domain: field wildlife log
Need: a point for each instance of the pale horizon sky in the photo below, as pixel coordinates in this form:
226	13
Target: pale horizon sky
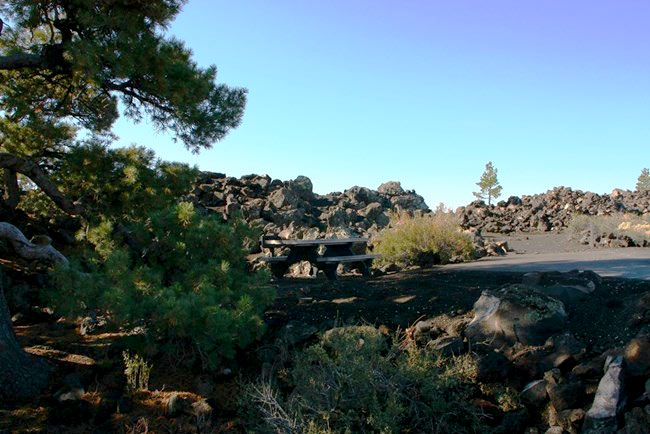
360	92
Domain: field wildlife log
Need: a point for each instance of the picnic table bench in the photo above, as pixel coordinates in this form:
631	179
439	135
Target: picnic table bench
338	250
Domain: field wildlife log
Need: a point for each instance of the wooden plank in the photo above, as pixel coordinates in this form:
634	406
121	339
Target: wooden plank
350	258
273	258
320	242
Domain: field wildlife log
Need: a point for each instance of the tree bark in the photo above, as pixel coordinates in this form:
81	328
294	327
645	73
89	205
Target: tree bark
12	192
33	172
21	375
28	250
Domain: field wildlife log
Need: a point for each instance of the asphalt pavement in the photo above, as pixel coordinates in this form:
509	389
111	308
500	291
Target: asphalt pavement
630	262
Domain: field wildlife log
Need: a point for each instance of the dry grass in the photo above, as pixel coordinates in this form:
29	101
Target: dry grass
634	226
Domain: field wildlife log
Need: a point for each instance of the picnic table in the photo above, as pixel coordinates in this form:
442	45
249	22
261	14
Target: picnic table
337	250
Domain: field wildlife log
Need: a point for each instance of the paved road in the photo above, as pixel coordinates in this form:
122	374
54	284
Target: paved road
631	262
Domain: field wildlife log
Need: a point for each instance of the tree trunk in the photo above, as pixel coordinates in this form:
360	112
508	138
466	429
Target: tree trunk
21	375
12	192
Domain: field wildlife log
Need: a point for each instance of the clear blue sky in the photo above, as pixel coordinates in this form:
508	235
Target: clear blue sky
357	92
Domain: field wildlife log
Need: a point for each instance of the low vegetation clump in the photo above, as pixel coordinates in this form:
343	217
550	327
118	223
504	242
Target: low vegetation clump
354	380
620	224
155	264
136	371
188	287
423	240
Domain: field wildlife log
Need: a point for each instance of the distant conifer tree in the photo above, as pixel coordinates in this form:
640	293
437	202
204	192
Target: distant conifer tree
643	182
488	184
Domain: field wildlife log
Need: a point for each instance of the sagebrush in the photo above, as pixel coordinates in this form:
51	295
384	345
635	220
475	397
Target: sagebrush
355	380
423	240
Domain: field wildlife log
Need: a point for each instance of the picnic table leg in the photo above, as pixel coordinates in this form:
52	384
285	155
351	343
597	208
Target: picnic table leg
279	269
336	250
365	267
302	253
330	270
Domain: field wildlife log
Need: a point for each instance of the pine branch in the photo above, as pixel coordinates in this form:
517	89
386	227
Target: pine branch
34	172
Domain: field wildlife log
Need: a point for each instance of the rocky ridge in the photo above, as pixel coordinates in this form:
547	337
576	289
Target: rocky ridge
548	211
291	209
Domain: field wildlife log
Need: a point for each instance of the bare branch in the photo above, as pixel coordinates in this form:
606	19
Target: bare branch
28	250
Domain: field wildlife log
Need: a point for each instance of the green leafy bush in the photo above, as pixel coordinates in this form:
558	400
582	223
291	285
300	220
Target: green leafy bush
353	380
423	240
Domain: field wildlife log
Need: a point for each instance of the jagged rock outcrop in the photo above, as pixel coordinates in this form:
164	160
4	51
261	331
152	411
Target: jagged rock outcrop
548	211
292	210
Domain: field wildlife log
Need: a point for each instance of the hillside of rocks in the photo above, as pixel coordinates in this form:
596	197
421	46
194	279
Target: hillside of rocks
292	209
549	211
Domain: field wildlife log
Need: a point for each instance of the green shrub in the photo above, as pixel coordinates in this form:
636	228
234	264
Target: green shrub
634	226
423	240
180	275
353	380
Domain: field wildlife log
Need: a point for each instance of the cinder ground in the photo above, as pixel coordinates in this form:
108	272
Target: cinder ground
557	252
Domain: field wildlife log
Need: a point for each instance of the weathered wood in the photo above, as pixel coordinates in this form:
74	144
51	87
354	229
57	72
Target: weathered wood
273	258
338	250
278	242
349	258
27	250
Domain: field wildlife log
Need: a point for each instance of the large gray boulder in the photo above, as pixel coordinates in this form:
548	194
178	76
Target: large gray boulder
516	313
302	187
392	188
284	198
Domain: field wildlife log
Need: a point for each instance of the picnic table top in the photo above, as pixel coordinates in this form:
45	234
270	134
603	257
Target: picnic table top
319	242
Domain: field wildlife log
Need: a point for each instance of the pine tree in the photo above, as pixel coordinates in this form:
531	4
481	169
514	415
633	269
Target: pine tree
643	182
488	184
64	67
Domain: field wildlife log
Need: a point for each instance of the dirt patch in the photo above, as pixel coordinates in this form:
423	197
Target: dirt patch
399	300
542	242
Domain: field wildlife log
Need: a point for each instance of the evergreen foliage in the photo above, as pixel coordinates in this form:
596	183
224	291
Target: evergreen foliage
64	66
643	182
113	184
488	184
188	285
142	257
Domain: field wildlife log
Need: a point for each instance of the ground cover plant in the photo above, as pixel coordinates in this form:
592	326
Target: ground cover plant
355	379
423	240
